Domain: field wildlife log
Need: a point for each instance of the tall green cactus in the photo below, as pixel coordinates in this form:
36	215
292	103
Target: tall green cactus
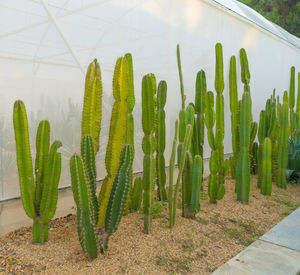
216	190
186	142
161	140
171	174
39	194
282	149
266	184
180	78
261	137
245	73
83	187
148	146
243	164
219	136
117	132
200	111
130	119
292	99
119	192
234	106
191	178
298	101
252	138
92	104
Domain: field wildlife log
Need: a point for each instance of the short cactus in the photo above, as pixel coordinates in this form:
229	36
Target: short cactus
39	194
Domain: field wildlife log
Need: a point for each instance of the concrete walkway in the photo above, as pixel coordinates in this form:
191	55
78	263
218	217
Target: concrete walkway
276	252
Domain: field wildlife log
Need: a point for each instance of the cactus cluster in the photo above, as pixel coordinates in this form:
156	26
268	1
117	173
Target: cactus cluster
39	188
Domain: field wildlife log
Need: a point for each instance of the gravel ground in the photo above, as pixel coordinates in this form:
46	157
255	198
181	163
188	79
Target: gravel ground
196	246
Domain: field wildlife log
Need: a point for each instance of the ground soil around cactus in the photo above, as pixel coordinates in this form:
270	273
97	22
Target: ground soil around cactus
196	246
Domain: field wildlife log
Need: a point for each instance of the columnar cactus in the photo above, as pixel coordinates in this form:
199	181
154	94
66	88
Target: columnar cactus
252	138
234	106
171	173
119	192
216	190
161	140
254	158
266	184
298	101
136	194
130	120
261	137
282	149
219	87
292	100
243	164
180	78
82	188
39	194
186	142
148	146
200	112
245	73
117	132
92	104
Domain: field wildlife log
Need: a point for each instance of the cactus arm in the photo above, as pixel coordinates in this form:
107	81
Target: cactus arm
219	79
245	73
119	190
24	160
50	188
171	174
180	77
186	190
88	157
42	150
292	99
298	100
161	139
92	109
181	166
82	196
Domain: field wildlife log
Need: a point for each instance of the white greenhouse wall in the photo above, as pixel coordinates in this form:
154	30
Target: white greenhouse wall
37	66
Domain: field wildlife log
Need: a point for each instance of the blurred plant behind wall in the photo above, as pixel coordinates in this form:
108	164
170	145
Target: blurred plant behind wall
284	13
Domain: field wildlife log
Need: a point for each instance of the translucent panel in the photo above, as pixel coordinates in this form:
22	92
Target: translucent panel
47	45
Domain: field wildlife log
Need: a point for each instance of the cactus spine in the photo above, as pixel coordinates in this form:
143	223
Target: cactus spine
92	110
234	105
119	192
117	132
243	164
161	140
148	146
39	194
266	184
282	149
171	174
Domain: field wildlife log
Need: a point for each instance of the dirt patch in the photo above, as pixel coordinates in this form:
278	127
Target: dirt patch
196	246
